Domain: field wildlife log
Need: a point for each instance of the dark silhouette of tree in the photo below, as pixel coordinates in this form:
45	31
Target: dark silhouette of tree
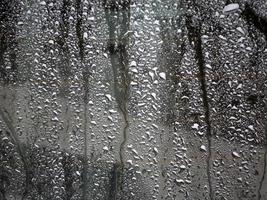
117	47
8	40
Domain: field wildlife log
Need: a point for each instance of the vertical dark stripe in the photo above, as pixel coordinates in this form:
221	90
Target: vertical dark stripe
194	35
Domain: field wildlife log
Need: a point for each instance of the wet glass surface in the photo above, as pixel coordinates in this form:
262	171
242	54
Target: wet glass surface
133	100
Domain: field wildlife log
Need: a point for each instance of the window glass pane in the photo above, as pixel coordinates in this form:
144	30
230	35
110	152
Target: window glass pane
133	99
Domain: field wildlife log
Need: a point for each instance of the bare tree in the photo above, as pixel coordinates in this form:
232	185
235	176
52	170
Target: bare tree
117	15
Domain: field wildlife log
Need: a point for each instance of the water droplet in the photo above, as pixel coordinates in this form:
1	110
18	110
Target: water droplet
162	75
203	148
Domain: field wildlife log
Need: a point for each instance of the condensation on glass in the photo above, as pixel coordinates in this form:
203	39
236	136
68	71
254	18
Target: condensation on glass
133	100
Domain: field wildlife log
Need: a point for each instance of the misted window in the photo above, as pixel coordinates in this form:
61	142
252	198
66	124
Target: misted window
133	100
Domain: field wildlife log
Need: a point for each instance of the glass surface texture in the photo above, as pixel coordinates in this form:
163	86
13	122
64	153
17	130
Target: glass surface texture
133	100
